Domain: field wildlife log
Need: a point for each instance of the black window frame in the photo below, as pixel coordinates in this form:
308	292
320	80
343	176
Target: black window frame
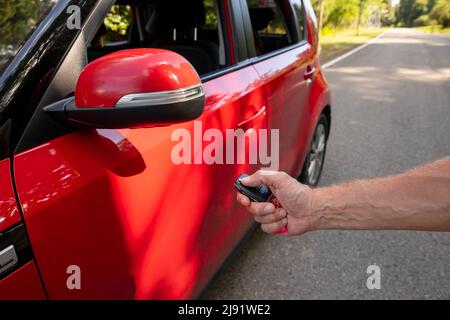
305	22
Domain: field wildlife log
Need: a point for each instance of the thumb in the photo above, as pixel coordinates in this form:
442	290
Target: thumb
272	179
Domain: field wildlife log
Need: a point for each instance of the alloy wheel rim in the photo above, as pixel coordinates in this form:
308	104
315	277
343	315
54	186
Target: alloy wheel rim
316	154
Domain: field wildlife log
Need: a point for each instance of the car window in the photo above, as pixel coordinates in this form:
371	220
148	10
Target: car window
193	29
114	33
270	30
211	16
300	18
18	19
118	23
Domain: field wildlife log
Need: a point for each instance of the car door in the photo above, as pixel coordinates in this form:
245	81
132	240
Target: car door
283	59
110	215
19	278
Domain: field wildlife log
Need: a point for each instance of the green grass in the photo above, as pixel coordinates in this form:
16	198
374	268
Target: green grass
334	45
434	29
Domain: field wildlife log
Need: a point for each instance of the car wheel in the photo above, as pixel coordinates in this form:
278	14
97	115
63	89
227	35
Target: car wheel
313	165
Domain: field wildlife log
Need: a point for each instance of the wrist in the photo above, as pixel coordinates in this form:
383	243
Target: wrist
317	211
325	209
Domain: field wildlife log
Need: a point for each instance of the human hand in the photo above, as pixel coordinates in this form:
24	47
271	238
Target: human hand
297	201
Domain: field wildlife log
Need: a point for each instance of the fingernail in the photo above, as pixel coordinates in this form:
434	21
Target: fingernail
245	180
269	208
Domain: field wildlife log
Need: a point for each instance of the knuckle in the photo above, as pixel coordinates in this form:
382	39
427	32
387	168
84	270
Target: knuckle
281	214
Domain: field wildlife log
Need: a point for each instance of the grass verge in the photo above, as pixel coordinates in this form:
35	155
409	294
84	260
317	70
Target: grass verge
334	45
434	29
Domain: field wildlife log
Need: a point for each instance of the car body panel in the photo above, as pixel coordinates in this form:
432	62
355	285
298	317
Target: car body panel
23	284
113	203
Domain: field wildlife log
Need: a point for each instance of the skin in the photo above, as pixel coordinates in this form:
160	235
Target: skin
418	199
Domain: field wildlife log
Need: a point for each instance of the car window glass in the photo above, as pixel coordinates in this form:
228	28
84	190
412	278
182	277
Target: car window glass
269	26
192	29
18	19
118	23
211	16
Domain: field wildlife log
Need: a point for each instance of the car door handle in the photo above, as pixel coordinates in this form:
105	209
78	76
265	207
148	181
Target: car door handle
261	113
310	72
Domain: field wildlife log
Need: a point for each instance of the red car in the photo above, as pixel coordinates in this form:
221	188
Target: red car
91	204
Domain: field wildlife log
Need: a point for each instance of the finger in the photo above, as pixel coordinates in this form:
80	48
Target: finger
278	215
269	178
274	227
261	208
243	200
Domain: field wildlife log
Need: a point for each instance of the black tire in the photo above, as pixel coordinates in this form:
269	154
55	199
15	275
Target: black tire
312	168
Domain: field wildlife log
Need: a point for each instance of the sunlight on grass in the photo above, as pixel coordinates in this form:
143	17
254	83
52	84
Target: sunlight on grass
333	45
434	29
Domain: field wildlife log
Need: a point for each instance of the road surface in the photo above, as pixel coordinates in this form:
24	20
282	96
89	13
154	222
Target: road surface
391	112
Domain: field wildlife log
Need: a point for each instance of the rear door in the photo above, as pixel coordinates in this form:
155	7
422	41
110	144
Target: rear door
282	58
108	212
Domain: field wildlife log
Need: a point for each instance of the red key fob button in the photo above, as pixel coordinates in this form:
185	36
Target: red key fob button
277	205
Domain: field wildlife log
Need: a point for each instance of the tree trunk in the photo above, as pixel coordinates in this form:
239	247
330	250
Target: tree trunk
322	7
359	17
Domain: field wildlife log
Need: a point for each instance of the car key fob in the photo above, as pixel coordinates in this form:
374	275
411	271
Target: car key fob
262	193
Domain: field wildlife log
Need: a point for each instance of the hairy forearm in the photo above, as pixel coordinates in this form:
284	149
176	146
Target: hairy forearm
415	200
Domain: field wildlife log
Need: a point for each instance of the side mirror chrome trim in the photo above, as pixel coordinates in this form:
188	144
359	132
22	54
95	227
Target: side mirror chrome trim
161	98
137	114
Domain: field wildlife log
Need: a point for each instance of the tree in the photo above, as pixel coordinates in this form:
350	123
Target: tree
339	14
321	11
117	22
18	18
410	10
441	13
360	12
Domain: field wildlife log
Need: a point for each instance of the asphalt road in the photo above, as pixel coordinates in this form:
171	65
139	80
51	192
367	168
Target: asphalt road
391	112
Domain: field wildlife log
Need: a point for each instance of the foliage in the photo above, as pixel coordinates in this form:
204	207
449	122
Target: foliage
343	14
410	10
118	21
441	13
211	16
18	18
423	20
424	12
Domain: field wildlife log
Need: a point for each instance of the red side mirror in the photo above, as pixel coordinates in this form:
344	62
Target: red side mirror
134	88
